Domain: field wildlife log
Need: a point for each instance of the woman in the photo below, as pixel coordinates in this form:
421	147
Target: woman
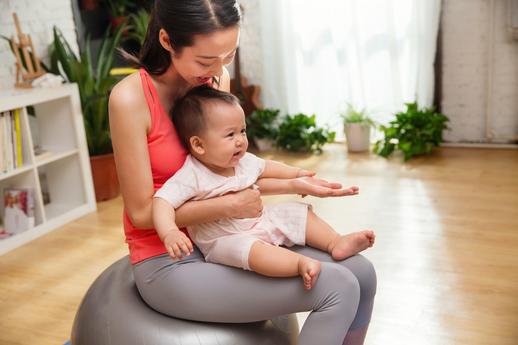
188	43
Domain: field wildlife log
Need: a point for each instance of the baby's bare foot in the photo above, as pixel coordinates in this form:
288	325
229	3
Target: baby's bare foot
348	245
309	270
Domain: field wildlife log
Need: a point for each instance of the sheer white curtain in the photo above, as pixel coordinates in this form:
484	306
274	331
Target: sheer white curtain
321	55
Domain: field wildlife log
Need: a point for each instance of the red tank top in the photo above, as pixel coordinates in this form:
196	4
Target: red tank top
166	155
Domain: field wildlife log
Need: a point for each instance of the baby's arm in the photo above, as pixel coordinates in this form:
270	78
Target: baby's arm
280	170
174	240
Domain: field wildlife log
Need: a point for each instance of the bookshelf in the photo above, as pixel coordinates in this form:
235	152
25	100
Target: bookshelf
62	173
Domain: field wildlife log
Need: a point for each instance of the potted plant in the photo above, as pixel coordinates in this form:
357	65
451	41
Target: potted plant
300	133
357	128
414	132
119	10
94	85
261	128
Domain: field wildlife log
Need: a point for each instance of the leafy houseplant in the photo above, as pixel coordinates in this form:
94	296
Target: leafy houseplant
414	132
300	133
261	127
138	23
94	83
357	128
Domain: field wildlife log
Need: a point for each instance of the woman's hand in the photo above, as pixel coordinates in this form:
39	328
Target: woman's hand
176	242
310	185
245	204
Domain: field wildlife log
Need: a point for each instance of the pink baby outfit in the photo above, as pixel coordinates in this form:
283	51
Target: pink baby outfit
228	241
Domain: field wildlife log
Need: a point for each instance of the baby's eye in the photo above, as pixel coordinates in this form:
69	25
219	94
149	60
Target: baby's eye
243	131
230	134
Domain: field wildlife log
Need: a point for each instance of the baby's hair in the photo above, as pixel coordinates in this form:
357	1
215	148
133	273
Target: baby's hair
188	112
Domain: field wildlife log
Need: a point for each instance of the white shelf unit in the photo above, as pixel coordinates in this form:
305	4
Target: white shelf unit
57	126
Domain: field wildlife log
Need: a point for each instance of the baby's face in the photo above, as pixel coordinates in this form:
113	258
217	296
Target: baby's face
224	138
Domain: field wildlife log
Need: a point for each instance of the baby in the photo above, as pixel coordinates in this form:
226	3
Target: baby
211	125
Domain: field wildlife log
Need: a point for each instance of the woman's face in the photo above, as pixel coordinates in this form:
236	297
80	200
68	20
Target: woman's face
205	59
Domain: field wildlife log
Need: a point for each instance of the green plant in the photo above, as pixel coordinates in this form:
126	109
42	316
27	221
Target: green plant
414	132
262	124
119	8
351	115
138	23
94	83
300	133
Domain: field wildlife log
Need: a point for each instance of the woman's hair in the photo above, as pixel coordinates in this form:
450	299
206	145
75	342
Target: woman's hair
182	19
188	114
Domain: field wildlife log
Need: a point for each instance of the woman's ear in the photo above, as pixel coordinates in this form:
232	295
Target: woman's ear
163	37
197	145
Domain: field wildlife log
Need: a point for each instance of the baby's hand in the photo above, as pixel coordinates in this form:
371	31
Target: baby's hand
177	242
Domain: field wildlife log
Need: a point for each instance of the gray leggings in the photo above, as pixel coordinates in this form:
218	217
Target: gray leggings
341	300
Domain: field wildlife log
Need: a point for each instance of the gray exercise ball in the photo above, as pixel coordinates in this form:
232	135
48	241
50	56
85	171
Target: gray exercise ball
113	313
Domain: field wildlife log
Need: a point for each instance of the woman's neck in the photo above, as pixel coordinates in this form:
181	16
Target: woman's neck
170	86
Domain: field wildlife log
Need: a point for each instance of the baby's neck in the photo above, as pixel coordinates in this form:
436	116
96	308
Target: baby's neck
223	171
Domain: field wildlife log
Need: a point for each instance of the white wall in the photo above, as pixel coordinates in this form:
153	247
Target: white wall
37	19
469	81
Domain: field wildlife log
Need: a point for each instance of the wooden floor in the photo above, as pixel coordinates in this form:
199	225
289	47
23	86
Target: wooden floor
446	252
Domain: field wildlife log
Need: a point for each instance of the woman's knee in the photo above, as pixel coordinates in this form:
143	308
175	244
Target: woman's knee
364	271
338	286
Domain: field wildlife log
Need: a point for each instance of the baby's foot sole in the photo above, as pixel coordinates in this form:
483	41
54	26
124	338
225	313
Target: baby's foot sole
351	244
309	270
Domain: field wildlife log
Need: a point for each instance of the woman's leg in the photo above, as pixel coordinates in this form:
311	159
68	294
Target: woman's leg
364	271
196	290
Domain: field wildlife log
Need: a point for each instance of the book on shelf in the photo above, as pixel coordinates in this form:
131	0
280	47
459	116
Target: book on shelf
11	155
18	212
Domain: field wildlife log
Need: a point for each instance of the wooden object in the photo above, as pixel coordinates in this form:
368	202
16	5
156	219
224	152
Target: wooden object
61	170
24	52
248	94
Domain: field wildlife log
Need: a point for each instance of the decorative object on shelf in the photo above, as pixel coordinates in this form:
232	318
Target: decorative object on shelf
248	95
300	133
28	66
262	128
357	129
48	80
414	132
94	88
18	210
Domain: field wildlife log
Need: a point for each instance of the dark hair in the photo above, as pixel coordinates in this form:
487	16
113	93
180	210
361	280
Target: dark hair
182	19
188	114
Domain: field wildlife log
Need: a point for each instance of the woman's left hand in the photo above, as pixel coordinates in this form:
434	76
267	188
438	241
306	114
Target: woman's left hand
310	185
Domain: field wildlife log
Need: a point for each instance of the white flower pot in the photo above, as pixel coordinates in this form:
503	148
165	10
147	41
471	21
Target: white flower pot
263	144
358	137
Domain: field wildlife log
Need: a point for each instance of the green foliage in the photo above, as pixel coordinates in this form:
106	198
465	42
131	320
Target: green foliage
414	132
351	115
94	82
300	133
120	8
262	124
138	23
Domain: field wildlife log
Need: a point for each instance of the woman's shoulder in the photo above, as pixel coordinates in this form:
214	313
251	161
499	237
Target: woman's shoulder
127	99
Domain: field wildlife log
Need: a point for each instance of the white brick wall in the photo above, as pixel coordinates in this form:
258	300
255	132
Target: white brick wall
465	82
37	19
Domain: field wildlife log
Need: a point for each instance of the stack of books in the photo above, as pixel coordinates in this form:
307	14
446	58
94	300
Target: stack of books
11	156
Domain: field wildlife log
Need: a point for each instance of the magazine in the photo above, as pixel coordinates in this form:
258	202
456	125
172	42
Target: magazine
18	210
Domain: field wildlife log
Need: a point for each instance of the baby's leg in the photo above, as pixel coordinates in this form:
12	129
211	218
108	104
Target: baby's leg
321	235
273	261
